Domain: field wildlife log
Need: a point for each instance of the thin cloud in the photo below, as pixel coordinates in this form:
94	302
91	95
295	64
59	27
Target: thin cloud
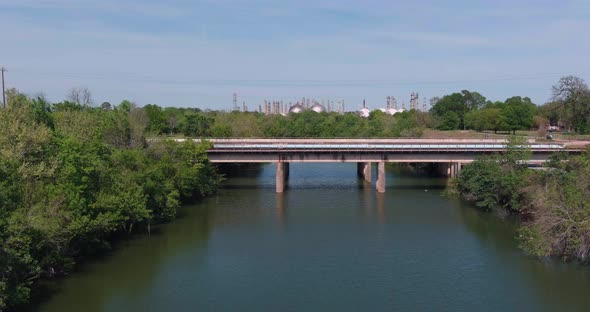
108	6
447	39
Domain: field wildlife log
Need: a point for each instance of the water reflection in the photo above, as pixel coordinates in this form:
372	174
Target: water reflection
99	285
557	284
331	242
281	211
380	206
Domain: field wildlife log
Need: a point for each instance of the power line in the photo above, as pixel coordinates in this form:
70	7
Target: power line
2	69
292	83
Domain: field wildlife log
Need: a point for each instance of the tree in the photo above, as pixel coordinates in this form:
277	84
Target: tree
493	119
196	125
552	111
473	100
138	121
450	121
484	119
573	95
518	113
459	104
126	106
42	111
80	96
106	106
82	125
157	123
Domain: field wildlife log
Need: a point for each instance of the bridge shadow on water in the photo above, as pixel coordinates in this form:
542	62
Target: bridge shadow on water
331	176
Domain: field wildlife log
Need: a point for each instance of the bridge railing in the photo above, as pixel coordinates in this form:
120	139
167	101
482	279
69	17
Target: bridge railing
355	140
364	147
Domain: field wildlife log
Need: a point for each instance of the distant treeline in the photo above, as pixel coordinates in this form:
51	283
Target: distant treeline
74	178
554	203
569	109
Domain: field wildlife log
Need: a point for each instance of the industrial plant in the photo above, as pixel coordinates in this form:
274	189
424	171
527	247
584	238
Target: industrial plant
279	107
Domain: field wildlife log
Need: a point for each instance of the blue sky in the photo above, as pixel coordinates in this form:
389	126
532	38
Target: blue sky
197	53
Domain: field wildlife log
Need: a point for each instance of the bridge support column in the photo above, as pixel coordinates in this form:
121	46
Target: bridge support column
364	171
381	177
454	169
280	181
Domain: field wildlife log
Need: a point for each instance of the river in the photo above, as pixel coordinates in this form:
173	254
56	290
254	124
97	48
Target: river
327	244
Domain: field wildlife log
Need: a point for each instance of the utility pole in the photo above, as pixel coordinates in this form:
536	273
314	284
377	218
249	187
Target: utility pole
2	69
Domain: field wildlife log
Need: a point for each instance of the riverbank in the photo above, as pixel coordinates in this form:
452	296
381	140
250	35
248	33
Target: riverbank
124	192
553	204
74	180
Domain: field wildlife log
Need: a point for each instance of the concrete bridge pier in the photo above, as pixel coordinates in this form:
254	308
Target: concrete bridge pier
457	169
454	169
380	177
281	176
364	170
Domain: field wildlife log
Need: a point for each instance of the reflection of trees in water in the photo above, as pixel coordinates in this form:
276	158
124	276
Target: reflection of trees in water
133	265
558	284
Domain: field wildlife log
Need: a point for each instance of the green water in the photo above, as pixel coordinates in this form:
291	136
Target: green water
327	244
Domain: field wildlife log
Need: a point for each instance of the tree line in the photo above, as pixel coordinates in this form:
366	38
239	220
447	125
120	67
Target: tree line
569	108
73	178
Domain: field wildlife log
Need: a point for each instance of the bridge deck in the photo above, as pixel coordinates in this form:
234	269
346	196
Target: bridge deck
367	147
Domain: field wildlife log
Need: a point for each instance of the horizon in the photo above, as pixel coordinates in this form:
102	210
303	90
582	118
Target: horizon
183	54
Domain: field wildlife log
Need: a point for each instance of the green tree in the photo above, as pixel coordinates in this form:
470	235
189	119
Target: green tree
459	104
518	113
157	123
196	125
450	121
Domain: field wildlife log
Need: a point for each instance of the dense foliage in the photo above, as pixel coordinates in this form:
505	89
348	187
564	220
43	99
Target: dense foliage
457	111
73	178
570	107
471	110
196	123
554	203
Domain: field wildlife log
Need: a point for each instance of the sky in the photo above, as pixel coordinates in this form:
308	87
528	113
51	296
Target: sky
197	53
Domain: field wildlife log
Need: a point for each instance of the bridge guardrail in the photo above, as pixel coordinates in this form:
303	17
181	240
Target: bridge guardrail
375	147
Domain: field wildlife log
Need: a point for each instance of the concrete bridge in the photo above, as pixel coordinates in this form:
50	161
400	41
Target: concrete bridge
449	154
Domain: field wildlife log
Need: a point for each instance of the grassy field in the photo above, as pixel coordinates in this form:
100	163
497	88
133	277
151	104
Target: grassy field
472	134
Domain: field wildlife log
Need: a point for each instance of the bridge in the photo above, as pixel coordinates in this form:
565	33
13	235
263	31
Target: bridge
448	154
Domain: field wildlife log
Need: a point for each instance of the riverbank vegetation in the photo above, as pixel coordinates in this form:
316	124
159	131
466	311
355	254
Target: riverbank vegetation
554	203
74	178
